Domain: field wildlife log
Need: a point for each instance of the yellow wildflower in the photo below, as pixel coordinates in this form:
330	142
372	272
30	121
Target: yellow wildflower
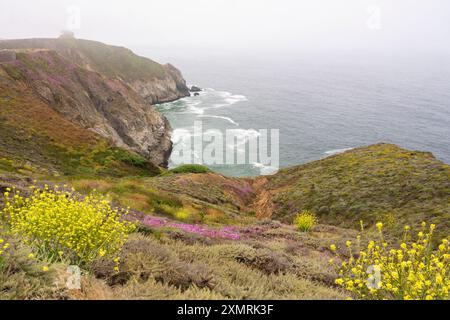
379	226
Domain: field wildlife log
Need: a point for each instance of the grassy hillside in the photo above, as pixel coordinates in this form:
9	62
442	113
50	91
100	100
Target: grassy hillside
154	82
111	61
209	199
382	182
36	136
274	263
198	235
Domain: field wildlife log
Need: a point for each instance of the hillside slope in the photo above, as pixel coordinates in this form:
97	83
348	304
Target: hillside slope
86	98
37	139
155	83
203	236
382	182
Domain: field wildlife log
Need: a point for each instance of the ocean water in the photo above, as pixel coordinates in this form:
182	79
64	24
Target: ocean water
322	105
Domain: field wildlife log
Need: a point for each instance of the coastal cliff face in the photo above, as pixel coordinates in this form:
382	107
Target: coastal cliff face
107	90
160	90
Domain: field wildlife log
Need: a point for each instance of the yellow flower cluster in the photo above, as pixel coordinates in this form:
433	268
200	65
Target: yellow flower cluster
63	226
3	246
305	221
412	271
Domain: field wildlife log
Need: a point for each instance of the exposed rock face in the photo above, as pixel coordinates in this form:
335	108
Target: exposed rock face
195	89
106	106
167	89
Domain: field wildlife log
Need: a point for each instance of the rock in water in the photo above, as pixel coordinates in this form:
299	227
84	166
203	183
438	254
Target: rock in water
195	89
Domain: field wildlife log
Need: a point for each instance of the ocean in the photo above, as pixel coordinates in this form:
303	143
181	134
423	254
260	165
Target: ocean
322	105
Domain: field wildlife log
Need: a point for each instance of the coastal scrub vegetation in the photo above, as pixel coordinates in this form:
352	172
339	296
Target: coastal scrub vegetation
21	275
190	168
263	260
198	236
379	182
412	270
60	225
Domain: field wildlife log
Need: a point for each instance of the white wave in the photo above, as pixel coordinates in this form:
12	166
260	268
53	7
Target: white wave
227	98
220	117
183	106
264	169
192	106
232	99
208	99
337	151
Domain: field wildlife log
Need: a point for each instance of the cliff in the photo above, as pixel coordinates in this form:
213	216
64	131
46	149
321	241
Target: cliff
107	90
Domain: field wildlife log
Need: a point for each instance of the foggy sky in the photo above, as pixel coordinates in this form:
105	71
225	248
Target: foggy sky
245	25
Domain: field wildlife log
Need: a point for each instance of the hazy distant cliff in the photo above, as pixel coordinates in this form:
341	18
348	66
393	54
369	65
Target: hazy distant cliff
108	90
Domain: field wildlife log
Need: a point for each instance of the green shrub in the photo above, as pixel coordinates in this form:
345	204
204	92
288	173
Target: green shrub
191	168
21	275
145	259
182	215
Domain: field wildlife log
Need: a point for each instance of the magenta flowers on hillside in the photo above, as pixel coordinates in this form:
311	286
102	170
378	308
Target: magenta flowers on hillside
221	233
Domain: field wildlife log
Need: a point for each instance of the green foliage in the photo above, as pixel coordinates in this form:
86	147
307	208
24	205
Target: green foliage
132	193
92	159
23	277
367	184
13	71
112	61
168	269
191	168
7	165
